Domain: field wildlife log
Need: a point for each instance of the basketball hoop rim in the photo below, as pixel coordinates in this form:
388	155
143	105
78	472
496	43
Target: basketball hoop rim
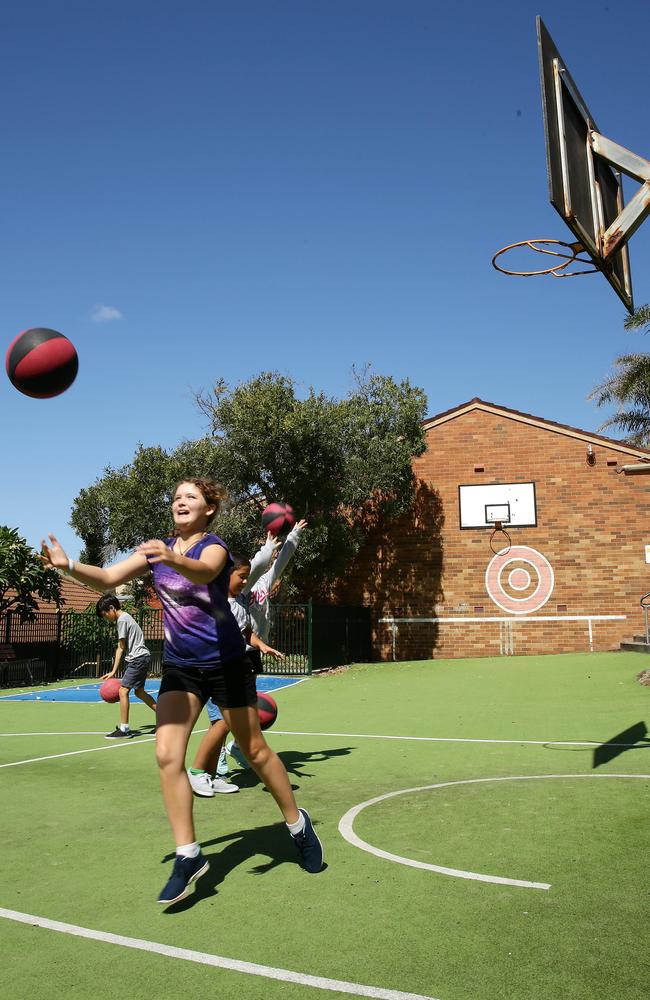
558	270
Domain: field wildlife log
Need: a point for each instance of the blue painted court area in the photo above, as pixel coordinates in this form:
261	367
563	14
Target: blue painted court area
90	692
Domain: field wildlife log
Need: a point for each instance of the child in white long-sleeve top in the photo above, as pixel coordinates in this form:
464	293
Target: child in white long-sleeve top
265	586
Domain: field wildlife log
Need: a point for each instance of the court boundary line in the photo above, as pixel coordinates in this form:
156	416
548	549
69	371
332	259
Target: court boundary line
290	682
346	828
216	961
285	732
459	739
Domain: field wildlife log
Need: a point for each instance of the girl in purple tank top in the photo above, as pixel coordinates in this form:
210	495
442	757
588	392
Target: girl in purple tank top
204	657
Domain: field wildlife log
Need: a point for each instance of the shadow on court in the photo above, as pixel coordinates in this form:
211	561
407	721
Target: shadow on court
633	738
295	763
238	849
144	731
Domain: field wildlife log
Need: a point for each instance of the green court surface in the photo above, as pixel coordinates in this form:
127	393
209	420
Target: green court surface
539	816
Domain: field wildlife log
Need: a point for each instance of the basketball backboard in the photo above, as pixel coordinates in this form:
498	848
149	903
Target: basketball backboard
583	186
510	504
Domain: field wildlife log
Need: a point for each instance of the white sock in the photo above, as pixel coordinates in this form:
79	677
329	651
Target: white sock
124	726
298	826
188	850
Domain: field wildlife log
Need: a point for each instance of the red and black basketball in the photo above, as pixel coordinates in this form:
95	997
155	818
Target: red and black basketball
110	690
41	363
278	518
266	709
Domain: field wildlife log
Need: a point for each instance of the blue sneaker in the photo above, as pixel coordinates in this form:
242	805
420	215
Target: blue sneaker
184	872
236	754
309	846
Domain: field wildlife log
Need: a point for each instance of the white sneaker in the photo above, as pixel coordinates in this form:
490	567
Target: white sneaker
235	752
222	766
201	784
219	785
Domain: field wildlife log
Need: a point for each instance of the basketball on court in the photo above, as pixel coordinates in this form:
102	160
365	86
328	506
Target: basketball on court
278	518
110	690
41	363
267	710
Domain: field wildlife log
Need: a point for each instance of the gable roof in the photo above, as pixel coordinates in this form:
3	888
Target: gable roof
74	596
527	418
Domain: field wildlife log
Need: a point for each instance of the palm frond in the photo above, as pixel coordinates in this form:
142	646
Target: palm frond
639	318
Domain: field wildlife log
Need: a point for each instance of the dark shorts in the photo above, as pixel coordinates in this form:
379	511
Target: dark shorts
230	685
256	659
136	672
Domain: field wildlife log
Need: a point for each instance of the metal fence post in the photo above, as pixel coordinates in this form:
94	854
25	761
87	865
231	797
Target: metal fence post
57	653
309	636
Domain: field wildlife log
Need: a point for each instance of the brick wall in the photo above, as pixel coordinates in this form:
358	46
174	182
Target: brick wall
592	525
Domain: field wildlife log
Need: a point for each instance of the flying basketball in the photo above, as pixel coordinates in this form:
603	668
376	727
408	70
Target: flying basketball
266	709
278	518
41	363
110	690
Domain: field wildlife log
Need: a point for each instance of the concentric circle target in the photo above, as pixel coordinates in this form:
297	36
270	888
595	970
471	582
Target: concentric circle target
519	580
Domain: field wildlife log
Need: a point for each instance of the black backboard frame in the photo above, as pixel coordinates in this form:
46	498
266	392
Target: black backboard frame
584	189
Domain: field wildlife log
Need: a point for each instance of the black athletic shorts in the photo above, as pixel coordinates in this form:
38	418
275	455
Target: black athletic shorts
136	672
230	685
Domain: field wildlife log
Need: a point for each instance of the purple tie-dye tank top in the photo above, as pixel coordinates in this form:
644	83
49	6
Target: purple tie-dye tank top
200	629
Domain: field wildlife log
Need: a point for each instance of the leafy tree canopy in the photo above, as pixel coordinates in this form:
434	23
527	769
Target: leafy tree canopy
342	464
23	577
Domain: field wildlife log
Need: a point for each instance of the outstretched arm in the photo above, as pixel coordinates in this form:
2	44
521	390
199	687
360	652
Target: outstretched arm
260	561
285	555
98	577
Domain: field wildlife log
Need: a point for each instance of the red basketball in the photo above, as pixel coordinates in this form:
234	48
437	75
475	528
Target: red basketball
278	518
41	363
266	709
110	690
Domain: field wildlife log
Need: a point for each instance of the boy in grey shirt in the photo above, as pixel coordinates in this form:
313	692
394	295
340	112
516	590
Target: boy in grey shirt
130	644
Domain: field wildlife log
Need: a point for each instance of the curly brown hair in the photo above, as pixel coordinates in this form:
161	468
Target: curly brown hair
213	493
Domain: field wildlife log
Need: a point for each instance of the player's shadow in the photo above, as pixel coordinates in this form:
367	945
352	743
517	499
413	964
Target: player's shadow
237	849
144	731
295	762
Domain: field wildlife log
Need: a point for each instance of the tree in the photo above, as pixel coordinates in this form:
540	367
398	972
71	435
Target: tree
23	577
343	464
129	505
628	387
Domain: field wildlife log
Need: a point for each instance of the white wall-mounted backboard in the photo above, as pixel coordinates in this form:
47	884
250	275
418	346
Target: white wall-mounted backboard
513	504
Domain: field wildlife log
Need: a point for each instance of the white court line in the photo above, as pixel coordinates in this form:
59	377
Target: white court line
134	741
356	736
75	753
347	832
68	732
458	739
217	961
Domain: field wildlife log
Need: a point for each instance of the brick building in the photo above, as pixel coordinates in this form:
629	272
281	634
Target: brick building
568	578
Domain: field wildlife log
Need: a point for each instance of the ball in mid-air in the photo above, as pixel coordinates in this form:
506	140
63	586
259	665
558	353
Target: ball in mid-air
278	518
41	363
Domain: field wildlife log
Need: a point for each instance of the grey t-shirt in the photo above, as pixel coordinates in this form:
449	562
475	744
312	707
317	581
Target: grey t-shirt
129	630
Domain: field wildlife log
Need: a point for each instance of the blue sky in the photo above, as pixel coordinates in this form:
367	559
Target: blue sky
209	190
